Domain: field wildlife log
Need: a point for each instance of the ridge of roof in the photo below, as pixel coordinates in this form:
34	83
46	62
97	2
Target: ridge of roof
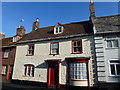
107	16
64	24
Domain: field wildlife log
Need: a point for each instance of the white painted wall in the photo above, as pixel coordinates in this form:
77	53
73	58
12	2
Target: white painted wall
42	51
104	55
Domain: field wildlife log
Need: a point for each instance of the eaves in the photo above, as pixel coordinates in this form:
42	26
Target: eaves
54	38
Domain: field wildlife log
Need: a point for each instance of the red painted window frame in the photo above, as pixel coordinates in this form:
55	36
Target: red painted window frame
27	65
73	47
28	50
51	48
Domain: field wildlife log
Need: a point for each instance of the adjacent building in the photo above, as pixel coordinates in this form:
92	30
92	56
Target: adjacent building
107	48
8	53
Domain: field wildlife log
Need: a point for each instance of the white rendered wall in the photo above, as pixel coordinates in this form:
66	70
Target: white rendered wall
104	55
42	51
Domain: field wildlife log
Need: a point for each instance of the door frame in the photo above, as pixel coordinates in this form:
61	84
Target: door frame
56	63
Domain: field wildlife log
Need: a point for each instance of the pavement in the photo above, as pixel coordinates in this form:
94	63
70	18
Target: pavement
12	86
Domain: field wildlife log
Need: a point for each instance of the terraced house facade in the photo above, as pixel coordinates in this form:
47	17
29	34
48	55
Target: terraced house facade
60	54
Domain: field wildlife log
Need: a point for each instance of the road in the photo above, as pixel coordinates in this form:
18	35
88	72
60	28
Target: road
10	86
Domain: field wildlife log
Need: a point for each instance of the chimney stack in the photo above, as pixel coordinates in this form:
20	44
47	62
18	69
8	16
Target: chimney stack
20	31
36	24
2	35
92	12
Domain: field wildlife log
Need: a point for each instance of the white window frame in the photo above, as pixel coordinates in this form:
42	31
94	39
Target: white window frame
60	29
31	49
78	74
6	53
112	43
114	66
4	69
26	73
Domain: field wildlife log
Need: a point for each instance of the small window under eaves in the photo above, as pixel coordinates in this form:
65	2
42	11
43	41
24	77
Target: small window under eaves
58	29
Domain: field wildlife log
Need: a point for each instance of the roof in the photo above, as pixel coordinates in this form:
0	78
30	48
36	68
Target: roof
107	24
6	42
69	29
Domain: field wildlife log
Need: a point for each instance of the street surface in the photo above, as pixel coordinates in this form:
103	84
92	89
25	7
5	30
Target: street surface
10	86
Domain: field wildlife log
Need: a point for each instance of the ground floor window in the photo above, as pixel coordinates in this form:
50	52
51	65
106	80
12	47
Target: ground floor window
4	70
115	67
29	70
78	71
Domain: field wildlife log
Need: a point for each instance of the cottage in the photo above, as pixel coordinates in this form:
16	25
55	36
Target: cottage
60	54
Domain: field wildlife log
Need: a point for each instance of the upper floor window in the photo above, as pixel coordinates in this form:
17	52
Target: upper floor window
29	70
58	28
54	48
112	43
76	46
6	53
30	49
115	67
78	71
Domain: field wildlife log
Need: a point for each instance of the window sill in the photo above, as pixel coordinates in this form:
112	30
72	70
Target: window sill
78	80
27	76
112	48
3	74
77	53
53	54
114	76
29	55
5	57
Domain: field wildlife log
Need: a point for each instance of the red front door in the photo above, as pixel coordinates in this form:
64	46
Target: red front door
10	70
53	75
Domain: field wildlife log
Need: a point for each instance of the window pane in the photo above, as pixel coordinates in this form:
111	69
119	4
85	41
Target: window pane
54	51
32	71
115	43
78	70
6	53
74	43
112	69
4	69
115	61
29	68
76	49
78	43
109	43
25	70
55	45
60	29
31	50
118	69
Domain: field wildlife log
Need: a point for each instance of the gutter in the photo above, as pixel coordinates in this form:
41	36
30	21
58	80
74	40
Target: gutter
52	38
8	46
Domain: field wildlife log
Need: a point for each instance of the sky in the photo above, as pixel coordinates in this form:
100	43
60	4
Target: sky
49	13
